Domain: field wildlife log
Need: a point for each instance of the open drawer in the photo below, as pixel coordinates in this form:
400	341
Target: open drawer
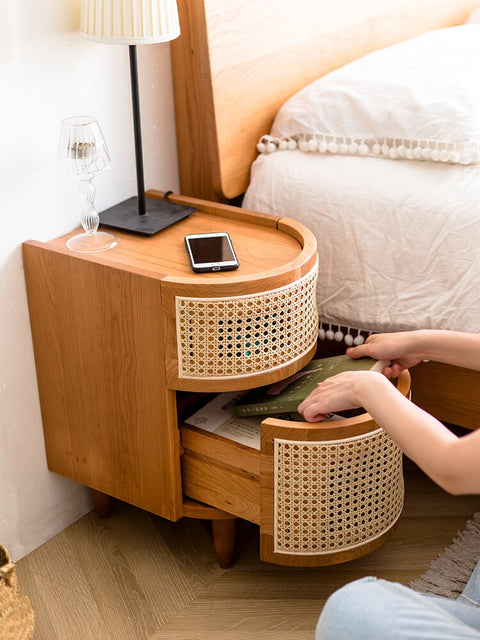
322	493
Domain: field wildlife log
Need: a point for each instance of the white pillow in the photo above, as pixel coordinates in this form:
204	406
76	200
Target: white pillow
416	100
474	17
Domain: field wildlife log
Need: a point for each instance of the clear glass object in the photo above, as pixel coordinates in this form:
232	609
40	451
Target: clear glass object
82	152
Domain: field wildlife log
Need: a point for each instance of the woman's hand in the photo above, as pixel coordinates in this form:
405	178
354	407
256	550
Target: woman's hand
401	349
338	393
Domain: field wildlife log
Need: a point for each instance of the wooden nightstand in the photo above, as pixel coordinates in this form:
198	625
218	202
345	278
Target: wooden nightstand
125	338
116	333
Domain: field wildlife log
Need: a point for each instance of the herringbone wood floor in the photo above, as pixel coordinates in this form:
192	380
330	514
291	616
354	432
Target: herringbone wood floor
134	576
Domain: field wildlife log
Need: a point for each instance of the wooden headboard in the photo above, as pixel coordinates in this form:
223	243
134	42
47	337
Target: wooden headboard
237	61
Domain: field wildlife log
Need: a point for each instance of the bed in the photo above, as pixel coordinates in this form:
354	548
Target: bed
394	204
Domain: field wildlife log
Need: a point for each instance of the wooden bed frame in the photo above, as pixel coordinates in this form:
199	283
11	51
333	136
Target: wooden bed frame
236	63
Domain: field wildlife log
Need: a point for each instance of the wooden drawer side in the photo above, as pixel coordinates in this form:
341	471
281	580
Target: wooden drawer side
221	473
219	485
220	449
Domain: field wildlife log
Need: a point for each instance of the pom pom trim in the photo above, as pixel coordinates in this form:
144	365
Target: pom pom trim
389	148
351	336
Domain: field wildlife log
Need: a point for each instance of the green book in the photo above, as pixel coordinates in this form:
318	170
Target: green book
286	395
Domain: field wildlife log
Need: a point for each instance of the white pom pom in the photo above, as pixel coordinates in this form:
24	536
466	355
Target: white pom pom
455	156
322	146
409	153
363	149
303	145
271	147
475	156
333	147
444	155
329	334
343	147
348	340
393	153
401	150
377	149
426	153
358	340
291	144
385	149
352	147
465	158
435	155
261	147
283	145
417	153
321	334
312	145
338	336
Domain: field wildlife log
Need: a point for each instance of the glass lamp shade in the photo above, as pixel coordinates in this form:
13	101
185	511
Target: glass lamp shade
82	147
129	21
82	152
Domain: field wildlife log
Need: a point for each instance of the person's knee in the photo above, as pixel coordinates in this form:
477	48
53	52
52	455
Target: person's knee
354	611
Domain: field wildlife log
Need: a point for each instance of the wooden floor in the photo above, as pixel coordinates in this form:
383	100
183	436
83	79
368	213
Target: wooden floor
134	576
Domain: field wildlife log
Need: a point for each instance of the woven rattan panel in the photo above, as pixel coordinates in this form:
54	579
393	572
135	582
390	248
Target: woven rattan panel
336	495
243	335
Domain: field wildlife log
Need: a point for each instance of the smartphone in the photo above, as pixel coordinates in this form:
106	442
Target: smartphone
211	252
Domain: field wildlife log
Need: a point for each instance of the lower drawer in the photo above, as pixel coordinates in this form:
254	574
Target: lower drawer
322	493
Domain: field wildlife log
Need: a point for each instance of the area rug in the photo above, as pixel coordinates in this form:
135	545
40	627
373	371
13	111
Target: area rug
449	572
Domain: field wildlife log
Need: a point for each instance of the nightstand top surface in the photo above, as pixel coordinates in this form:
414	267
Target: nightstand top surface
262	242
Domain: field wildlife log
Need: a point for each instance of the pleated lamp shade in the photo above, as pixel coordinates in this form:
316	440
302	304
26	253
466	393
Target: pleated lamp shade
129	21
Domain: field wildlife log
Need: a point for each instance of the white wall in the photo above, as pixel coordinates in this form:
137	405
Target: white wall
47	73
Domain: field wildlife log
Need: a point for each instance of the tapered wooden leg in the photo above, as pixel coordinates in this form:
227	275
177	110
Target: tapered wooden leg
224	541
103	503
223	528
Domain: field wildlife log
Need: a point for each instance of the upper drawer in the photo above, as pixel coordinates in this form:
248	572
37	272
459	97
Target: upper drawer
238	337
249	327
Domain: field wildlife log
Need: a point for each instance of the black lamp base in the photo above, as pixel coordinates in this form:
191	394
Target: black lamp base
159	215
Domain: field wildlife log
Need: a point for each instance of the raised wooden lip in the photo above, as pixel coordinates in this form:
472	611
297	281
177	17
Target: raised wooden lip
305	260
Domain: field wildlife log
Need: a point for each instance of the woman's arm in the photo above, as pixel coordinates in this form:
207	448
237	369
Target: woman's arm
452	462
407	348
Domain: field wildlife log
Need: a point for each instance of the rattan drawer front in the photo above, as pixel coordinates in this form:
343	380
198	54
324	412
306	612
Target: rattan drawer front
334	496
240	336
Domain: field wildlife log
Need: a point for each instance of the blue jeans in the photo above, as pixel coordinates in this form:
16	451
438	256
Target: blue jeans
368	609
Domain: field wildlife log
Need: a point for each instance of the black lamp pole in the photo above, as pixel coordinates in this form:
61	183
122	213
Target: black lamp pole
137	128
139	214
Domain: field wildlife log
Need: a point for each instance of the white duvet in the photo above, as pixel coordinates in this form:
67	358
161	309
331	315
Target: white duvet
398	241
